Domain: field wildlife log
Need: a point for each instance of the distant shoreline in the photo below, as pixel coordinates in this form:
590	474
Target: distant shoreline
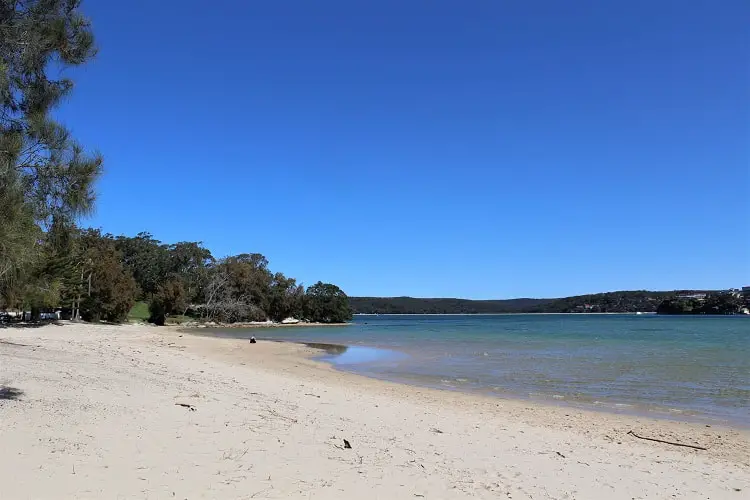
510	314
212	326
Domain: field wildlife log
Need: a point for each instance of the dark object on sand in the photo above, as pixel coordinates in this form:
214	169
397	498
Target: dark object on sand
252	340
347	446
668	442
185	405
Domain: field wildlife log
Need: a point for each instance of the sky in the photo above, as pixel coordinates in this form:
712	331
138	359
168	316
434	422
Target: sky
476	149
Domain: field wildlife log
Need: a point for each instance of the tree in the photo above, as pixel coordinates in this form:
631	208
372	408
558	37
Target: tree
148	260
170	298
237	289
286	298
109	287
44	172
249	281
713	303
327	303
191	262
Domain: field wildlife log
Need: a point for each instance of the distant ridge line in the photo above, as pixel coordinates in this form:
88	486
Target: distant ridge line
611	302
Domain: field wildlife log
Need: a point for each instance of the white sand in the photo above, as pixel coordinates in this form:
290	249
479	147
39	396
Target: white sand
97	419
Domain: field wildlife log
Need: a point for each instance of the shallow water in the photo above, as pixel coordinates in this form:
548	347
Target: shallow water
687	366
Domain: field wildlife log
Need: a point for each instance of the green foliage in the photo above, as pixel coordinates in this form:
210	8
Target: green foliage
238	289
153	263
99	277
286	298
170	298
412	305
110	288
191	262
610	302
714	303
327	303
44	174
147	259
249	279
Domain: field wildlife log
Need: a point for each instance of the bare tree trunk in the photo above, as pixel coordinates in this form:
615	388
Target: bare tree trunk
77	312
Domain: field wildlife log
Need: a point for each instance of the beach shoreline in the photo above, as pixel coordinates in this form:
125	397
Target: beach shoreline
328	350
146	411
394	364
252	324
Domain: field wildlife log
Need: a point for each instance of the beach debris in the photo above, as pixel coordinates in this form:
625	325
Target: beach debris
311	394
347	445
560	454
14	344
436	430
695	447
188	406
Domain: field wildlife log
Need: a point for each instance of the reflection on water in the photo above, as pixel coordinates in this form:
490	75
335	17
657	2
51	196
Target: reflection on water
358	355
333	349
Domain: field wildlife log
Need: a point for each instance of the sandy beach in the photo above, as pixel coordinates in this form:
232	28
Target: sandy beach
144	412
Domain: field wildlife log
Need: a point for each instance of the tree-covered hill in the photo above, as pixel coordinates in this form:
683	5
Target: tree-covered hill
610	302
412	305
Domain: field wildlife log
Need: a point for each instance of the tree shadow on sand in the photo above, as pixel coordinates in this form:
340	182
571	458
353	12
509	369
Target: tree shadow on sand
37	324
10	393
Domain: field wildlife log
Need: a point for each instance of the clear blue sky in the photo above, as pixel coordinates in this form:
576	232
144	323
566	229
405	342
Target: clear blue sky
479	149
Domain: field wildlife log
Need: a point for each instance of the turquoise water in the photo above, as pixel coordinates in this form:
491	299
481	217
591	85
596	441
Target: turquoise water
686	366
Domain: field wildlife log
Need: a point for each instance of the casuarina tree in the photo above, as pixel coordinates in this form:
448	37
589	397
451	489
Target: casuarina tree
45	174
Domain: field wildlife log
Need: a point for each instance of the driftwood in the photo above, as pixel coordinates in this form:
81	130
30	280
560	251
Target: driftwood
668	442
185	405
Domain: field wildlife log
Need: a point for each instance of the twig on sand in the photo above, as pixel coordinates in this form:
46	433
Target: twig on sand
14	344
668	442
185	405
261	491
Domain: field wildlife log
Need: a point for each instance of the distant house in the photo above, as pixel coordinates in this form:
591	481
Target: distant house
692	296
746	292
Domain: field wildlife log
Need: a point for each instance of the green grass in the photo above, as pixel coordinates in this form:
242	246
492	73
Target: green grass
139	312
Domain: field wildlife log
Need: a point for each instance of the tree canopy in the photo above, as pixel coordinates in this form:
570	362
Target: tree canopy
327	303
100	277
46	177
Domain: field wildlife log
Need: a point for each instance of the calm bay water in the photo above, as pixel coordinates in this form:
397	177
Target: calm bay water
696	366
